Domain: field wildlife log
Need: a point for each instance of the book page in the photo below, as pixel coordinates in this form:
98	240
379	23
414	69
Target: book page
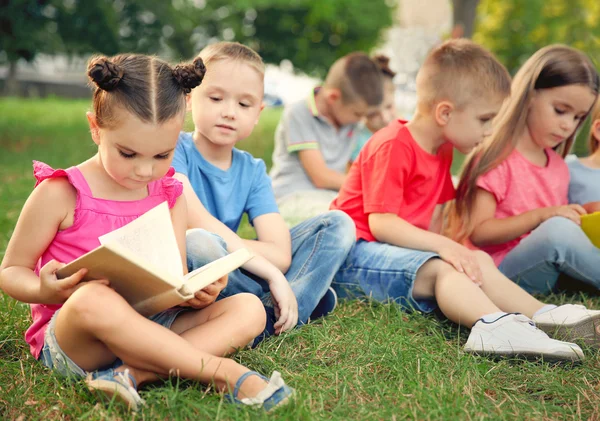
150	237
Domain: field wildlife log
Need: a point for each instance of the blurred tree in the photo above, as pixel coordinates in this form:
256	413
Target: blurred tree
514	29
463	16
310	33
26	29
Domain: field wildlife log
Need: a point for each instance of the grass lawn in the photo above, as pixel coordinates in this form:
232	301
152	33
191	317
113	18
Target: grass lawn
366	361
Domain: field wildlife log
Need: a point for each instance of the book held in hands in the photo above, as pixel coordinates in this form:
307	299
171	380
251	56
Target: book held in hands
143	264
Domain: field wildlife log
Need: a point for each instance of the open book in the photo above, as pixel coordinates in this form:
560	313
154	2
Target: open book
590	224
143	264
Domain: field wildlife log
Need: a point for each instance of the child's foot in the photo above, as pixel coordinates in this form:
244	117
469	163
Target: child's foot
276	394
571	322
121	385
515	335
327	304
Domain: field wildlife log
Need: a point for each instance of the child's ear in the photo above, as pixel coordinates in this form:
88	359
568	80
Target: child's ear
262	107
94	129
188	102
333	95
443	112
595	129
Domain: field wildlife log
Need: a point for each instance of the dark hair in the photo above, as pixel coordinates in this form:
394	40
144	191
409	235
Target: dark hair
383	62
145	86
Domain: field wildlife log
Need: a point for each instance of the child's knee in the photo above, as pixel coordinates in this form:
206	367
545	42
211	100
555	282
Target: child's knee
203	247
345	230
92	304
484	260
251	312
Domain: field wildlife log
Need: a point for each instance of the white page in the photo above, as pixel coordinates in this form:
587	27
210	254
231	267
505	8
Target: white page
151	237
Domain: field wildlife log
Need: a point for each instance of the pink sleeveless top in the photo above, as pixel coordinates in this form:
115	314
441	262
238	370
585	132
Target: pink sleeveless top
93	218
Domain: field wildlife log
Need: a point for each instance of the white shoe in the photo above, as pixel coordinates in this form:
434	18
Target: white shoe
515	335
571	322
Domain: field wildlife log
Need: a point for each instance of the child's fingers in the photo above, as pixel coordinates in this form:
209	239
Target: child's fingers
52	266
70	281
579	209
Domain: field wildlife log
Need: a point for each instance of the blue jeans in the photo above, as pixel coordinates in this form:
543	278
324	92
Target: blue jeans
556	246
319	247
384	273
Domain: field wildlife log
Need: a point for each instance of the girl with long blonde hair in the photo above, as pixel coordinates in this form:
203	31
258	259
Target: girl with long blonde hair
512	197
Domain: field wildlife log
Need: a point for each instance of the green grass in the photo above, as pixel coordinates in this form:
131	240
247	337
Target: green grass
367	361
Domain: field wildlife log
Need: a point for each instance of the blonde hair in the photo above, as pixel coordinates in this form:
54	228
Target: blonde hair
460	71
232	51
551	67
594	142
357	76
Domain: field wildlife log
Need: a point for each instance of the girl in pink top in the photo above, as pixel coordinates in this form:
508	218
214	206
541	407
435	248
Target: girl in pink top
512	197
87	329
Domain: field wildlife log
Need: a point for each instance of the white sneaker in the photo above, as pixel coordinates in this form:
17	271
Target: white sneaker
515	335
571	322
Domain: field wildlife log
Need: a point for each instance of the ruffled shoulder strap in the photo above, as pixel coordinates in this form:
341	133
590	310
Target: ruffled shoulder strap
168	187
42	171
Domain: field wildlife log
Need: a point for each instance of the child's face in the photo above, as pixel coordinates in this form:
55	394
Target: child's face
387	112
555	113
227	105
343	113
136	153
467	127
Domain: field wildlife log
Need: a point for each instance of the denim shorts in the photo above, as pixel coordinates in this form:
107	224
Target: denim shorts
384	273
53	357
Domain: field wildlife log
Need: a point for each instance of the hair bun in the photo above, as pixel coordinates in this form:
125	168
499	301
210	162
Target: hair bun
190	75
104	73
383	62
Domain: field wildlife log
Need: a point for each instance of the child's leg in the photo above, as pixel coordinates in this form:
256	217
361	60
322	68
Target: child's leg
320	246
556	246
96	325
224	326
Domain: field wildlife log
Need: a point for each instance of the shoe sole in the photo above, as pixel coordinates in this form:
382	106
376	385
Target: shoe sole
586	332
112	389
526	356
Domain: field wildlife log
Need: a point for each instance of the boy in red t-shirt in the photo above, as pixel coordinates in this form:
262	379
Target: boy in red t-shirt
394	193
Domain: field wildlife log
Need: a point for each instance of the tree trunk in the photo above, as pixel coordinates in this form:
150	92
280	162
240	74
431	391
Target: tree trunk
464	16
11	84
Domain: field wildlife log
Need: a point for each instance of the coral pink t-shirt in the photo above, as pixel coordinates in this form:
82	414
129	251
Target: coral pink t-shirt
520	186
393	174
93	218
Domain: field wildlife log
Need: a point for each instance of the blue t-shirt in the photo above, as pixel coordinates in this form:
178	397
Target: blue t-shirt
244	188
584	186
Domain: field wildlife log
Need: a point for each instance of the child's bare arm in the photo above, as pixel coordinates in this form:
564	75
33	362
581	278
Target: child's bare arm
315	167
490	230
48	209
391	229
274	242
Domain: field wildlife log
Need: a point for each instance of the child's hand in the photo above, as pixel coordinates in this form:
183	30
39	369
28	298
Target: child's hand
572	212
284	301
463	260
56	291
592	207
207	295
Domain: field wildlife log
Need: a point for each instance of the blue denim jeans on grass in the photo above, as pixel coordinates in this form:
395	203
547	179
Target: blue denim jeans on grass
319	247
383	272
558	245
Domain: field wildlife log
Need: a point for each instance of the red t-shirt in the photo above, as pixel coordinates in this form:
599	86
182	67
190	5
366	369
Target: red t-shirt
393	174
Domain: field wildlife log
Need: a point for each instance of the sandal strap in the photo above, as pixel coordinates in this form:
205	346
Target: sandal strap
243	377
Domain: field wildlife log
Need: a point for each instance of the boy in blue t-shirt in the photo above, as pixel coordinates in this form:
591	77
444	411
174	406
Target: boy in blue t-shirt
221	183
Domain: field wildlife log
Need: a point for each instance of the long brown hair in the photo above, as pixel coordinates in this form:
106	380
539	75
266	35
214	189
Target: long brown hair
551	67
